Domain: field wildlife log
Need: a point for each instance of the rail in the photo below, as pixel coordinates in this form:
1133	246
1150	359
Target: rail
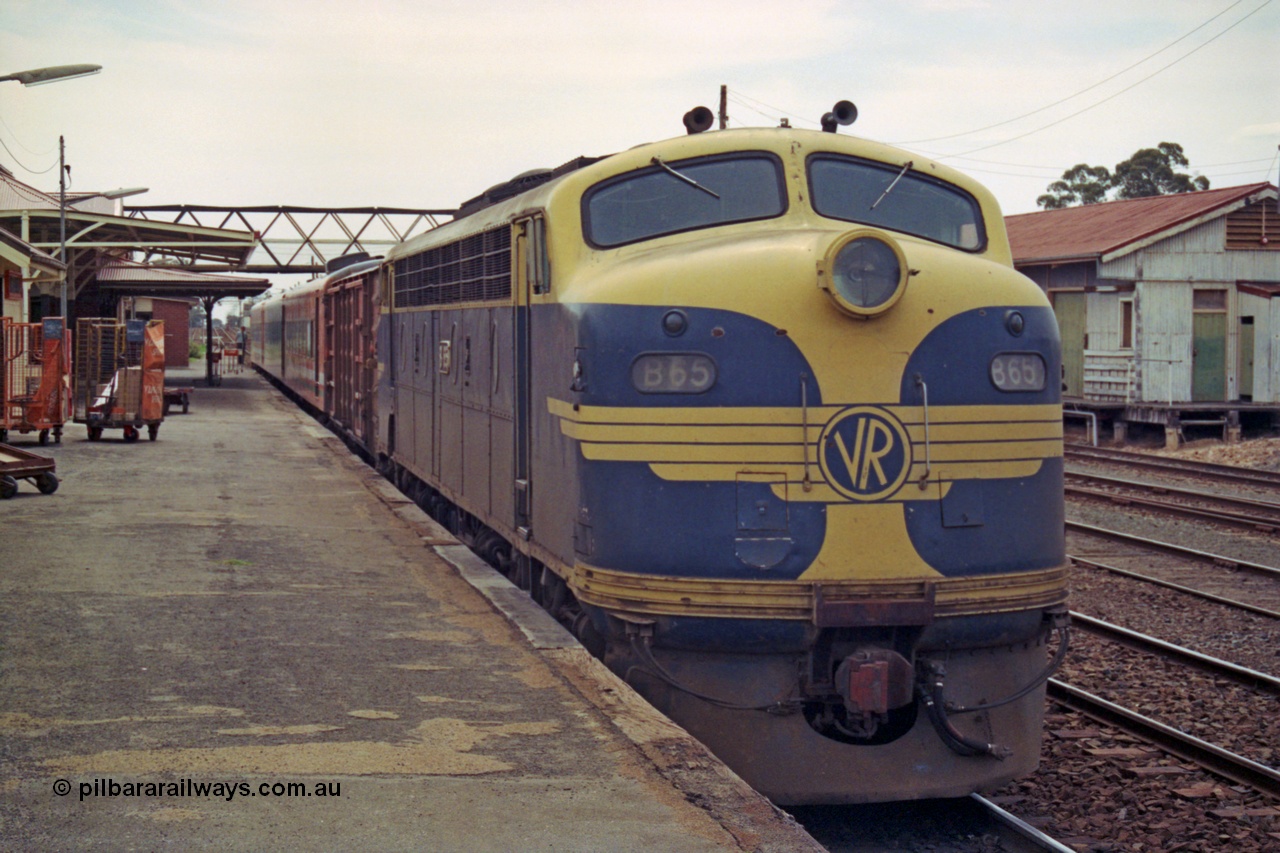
1170	548
1252	521
1232	473
1153	645
1215	759
1029	837
1176	587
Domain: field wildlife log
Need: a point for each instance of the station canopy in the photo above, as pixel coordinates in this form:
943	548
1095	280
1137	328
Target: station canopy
101	245
18	253
129	278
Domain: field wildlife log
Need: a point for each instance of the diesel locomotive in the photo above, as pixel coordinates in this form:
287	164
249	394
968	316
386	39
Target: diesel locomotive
766	416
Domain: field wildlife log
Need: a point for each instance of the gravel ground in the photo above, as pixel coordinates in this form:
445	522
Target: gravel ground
1101	790
1189	533
1214	709
1214	629
1262	453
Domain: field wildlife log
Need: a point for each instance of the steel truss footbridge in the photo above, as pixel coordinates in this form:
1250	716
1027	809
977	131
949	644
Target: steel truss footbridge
292	239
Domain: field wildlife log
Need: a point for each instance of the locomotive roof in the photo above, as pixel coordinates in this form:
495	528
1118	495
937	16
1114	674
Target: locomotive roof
533	189
521	183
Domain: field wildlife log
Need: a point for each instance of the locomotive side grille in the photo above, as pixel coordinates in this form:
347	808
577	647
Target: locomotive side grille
473	269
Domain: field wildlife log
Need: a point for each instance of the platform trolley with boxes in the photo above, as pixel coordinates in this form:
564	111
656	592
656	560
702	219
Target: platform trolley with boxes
119	376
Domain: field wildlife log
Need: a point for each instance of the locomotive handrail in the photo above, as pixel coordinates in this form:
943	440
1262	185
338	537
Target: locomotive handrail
493	357
928	453
804	423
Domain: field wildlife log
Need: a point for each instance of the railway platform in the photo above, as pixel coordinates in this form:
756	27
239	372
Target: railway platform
239	637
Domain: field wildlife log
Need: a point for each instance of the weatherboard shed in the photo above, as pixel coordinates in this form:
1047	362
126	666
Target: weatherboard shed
1167	304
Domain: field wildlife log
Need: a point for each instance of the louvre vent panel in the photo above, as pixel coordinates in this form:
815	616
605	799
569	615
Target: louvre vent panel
474	269
1255	227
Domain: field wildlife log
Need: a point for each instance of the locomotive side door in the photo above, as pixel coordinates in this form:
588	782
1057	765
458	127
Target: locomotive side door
532	277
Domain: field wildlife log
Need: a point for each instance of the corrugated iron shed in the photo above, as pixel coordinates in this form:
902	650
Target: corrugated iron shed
1109	228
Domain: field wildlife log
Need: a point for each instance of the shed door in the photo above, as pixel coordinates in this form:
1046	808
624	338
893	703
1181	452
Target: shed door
1209	346
1070	310
1246	358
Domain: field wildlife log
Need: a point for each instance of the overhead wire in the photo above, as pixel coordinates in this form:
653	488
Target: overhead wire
750	103
24	147
747	106
1114	95
1050	172
22	165
1274	161
1090	88
778	113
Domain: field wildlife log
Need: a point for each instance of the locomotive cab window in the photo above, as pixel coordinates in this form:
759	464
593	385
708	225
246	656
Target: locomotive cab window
895	198
683	195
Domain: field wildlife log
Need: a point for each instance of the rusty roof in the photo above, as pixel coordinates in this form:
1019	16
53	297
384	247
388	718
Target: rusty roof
1094	230
154	280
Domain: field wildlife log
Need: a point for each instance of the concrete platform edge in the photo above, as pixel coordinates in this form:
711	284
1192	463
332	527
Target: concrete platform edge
755	823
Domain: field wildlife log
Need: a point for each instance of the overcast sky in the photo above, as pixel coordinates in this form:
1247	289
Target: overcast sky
425	103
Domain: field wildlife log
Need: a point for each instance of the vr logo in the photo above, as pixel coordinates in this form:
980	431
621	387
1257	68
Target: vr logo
865	453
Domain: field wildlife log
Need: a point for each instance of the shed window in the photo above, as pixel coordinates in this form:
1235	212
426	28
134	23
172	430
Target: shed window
1209	300
1126	324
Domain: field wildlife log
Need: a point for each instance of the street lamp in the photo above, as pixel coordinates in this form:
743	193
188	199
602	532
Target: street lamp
38	77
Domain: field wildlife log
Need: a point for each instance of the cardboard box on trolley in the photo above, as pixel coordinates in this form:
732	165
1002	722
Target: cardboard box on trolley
119	373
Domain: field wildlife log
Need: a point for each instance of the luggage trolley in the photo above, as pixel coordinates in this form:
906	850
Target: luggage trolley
119	372
34	365
17	464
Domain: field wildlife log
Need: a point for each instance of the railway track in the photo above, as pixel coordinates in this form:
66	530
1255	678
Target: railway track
1251	678
1151	742
1191	554
1258	515
972	824
1148	744
1214	759
1242	583
1176	587
1169	465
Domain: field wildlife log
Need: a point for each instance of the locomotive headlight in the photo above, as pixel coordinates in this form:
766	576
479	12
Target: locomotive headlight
864	272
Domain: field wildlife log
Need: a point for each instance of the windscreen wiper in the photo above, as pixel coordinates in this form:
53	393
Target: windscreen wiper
657	161
889	188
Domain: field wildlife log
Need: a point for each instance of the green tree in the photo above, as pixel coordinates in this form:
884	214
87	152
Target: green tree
1081	184
1150	171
